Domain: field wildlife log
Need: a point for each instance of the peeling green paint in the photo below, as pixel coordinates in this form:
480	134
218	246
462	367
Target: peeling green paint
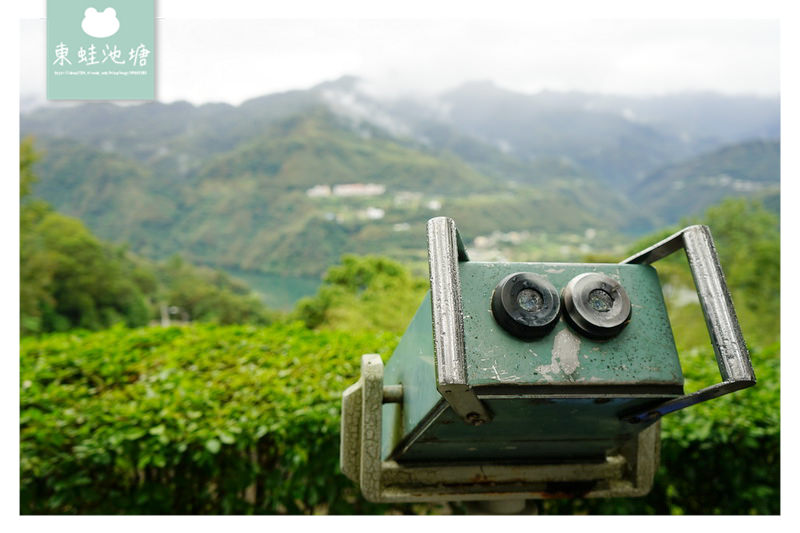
558	396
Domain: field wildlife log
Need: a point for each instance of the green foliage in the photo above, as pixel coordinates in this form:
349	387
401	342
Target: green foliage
747	238
200	419
70	279
242	203
751	255
364	294
118	198
27	158
234	419
210	419
206	295
719	457
688	187
722	456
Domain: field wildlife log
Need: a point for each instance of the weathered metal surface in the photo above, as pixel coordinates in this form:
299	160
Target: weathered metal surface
412	366
448	323
561	404
532	430
572	371
729	346
393	394
350	448
643	353
596	305
396	474
627	472
371	426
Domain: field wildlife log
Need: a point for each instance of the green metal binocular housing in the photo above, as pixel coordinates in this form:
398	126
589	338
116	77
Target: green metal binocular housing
532	380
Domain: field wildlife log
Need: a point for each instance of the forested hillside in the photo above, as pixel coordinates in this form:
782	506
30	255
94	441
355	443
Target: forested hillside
70	279
254	208
750	169
261	189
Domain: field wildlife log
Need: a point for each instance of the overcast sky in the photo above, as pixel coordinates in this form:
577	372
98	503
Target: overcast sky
232	60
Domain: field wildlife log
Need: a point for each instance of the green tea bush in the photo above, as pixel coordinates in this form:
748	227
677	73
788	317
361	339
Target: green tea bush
236	419
718	457
201	419
723	456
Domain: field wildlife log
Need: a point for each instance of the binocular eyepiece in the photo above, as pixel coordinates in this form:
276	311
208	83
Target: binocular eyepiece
596	305
528	306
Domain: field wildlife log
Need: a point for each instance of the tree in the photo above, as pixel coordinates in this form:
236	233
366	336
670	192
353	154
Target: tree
204	294
70	279
364	293
747	238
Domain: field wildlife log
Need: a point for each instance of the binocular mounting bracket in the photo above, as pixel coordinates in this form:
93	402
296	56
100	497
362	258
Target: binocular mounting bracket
626	473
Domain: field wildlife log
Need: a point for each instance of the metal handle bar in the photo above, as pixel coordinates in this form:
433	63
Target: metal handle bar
730	350
445	250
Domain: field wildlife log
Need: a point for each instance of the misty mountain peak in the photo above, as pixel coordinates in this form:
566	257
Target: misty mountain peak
475	88
345	83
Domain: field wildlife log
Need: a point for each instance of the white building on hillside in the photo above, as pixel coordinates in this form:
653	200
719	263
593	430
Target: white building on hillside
358	189
319	191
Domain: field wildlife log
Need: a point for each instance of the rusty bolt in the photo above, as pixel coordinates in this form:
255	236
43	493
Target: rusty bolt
475	419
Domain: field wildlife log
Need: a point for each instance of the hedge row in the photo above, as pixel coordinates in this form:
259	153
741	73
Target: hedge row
200	419
719	457
237	419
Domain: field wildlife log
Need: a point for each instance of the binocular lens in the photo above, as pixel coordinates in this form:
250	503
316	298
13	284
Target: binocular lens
530	300
596	305
601	301
526	305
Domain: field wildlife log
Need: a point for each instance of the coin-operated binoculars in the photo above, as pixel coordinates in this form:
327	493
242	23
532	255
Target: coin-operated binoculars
519	381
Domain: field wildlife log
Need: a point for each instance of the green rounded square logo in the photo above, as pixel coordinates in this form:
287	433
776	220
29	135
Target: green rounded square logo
100	50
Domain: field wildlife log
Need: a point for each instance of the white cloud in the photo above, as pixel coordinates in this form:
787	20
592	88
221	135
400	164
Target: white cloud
232	60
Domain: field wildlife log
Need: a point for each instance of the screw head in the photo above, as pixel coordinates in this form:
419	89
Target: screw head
475	419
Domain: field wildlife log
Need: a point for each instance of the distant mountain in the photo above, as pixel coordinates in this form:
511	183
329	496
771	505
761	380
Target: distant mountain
701	118
119	198
686	188
253	188
270	204
619	139
616	138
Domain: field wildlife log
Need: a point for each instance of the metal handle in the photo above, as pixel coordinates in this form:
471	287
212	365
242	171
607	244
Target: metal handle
730	350
445	250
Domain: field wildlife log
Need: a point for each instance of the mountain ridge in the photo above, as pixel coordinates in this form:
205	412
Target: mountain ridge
252	187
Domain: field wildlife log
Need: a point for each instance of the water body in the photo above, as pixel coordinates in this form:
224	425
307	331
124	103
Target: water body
278	292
